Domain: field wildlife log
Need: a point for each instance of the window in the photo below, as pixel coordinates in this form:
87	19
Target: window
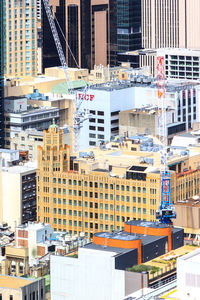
100	113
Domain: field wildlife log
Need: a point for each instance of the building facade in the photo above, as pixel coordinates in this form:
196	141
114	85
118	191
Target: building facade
21	38
22	196
19	116
129	35
94	194
167	24
29	140
91	31
105	101
2	61
179	63
17	288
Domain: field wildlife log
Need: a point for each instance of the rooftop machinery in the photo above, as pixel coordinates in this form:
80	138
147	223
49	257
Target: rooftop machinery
78	116
166	210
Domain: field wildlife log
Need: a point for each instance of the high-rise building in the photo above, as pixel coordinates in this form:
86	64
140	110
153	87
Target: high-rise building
2	55
99	190
129	36
21	38
90	28
167	23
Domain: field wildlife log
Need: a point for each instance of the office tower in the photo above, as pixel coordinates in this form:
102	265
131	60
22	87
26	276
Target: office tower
2	55
170	23
89	26
129	36
21	38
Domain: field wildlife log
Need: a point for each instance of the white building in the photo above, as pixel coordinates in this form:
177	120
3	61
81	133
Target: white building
180	63
17	189
32	234
105	101
90	276
188	276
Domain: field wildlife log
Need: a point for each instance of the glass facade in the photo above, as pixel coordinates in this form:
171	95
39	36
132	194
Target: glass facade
129	25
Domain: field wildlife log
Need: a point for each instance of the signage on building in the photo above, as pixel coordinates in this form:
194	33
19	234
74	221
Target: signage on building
87	97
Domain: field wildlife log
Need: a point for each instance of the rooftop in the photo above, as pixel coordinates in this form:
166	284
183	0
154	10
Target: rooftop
23	168
146	224
13	282
193	256
144	81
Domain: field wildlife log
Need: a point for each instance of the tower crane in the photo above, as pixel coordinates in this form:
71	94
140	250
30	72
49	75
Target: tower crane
166	210
78	116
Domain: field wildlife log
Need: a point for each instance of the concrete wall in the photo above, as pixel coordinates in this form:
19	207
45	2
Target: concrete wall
90	276
188	276
11	198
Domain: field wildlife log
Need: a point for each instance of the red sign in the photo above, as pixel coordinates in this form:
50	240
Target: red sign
87	97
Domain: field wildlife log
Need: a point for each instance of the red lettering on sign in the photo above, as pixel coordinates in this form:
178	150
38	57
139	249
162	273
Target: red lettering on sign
91	97
86	97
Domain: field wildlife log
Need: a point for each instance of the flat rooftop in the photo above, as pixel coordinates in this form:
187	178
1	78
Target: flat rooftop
146	224
29	166
144	81
188	203
12	282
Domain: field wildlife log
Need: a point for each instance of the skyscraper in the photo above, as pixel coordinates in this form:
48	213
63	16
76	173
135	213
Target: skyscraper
89	26
2	51
129	36
170	23
21	38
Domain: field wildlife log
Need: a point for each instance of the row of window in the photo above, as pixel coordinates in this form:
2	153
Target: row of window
100	185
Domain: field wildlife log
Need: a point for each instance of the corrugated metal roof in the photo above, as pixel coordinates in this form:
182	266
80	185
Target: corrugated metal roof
63	87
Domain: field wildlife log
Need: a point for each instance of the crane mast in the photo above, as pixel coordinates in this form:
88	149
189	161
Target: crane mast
78	116
166	210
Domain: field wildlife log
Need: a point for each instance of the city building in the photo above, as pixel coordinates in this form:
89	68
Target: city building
20	116
101	188
174	27
105	101
21	38
15	261
180	63
2	61
101	74
29	140
17	288
187	212
129	32
188	275
146	120
31	234
21	176
112	254
90	28
186	139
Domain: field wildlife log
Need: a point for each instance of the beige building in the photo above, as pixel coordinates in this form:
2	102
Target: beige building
43	83
21	42
17	288
101	74
15	262
188	217
102	188
170	23
146	120
29	140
